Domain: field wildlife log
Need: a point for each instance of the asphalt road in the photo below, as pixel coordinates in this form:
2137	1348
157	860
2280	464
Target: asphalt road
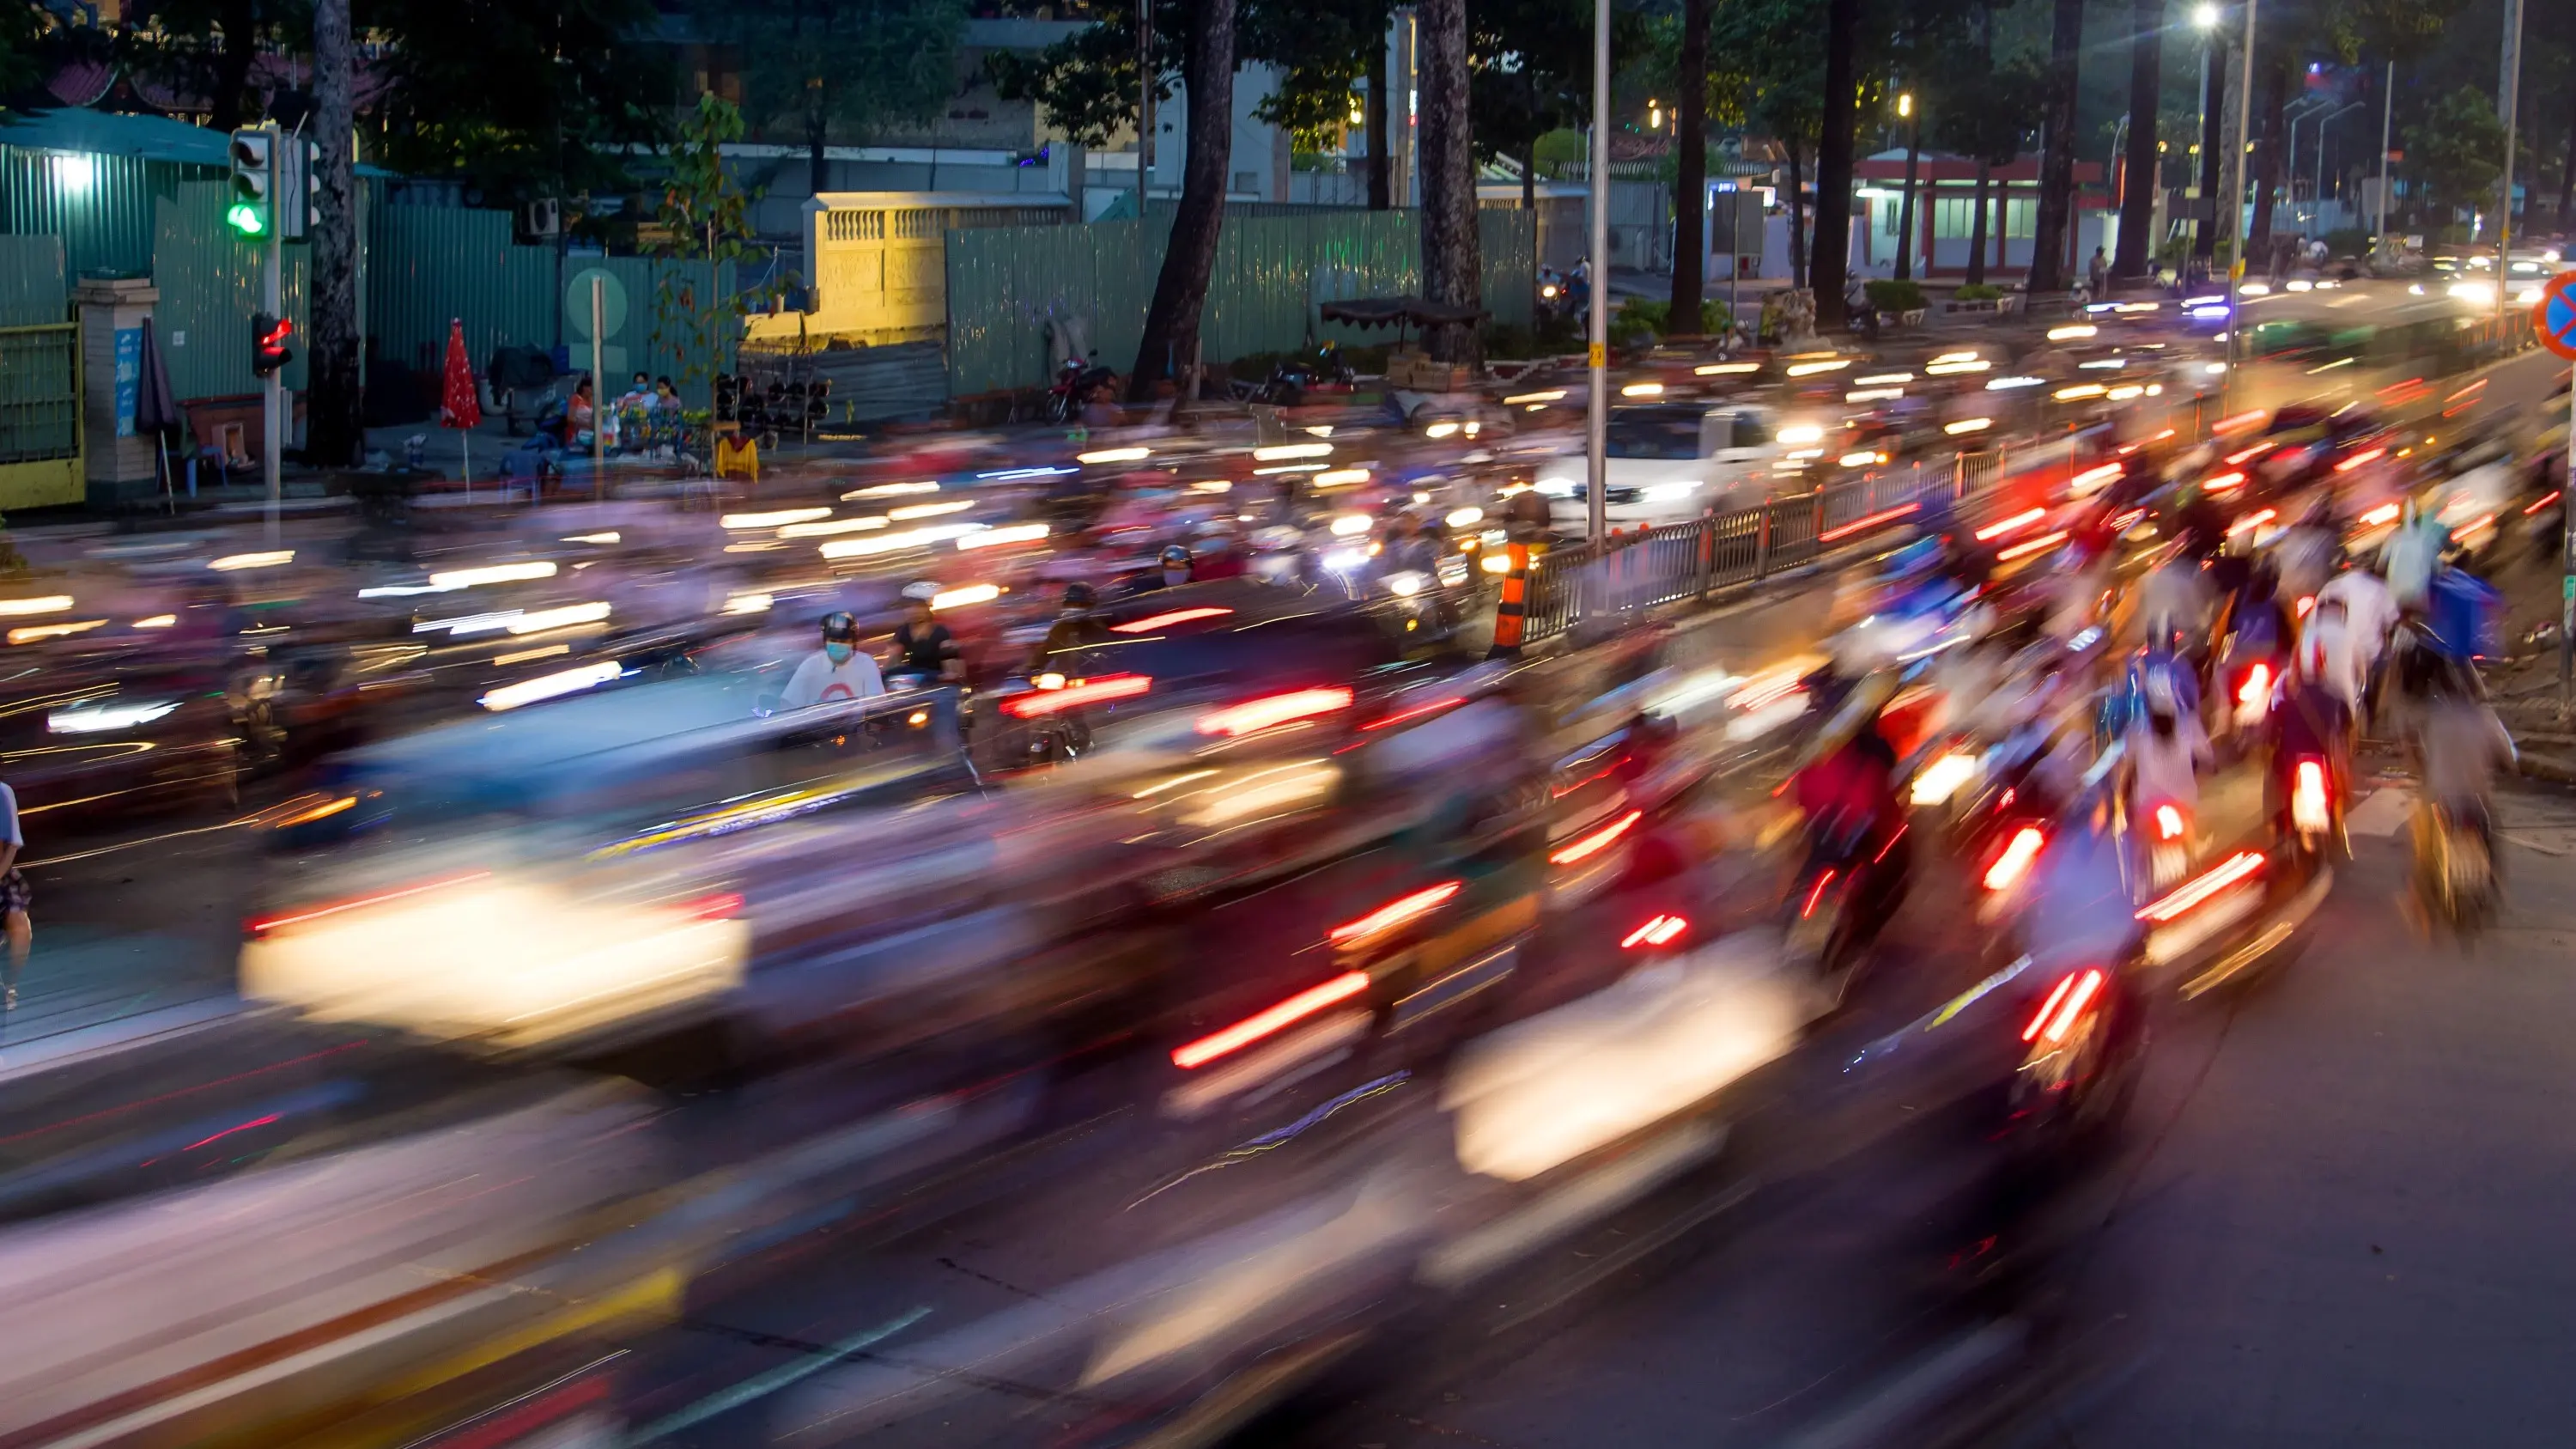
2337	1218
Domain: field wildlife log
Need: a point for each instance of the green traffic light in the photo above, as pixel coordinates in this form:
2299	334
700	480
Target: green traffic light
246	218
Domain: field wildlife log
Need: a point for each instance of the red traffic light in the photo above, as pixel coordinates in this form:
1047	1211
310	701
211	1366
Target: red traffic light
269	336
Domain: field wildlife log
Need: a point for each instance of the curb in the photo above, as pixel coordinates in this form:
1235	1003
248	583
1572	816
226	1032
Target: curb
2556	769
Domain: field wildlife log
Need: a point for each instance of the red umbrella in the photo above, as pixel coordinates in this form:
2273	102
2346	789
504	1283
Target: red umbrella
457	406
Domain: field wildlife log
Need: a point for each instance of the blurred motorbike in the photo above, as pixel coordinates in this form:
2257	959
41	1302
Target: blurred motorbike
2454	877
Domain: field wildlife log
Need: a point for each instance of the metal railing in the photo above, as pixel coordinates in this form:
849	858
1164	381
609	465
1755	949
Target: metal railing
1722	550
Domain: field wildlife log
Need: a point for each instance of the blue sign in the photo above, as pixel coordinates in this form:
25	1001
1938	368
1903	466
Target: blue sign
129	377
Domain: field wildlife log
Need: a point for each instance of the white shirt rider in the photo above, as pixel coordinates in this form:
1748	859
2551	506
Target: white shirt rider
833	673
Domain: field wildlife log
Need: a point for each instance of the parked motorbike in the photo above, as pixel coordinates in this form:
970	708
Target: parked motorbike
1076	382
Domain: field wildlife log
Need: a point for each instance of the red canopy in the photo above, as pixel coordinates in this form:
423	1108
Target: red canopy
457	407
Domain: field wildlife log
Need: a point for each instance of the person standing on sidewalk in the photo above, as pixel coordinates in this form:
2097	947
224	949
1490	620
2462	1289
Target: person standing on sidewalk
15	898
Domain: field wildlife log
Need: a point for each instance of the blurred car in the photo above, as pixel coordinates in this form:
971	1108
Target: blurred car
1669	462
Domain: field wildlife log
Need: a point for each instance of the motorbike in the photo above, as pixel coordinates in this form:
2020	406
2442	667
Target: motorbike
2455	878
2315	808
2168	836
1076	380
1292	379
1856	876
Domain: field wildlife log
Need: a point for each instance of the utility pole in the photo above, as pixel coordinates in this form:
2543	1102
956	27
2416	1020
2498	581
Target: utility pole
1597	422
2508	96
2236	209
276	415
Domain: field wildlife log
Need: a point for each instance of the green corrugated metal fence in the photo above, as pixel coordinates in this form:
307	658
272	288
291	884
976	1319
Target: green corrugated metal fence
1270	274
100	205
429	264
31	281
209	276
627	345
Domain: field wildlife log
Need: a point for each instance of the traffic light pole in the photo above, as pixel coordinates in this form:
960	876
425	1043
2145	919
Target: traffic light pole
275	415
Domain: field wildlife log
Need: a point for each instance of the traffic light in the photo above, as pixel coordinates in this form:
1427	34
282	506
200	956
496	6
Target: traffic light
269	336
254	157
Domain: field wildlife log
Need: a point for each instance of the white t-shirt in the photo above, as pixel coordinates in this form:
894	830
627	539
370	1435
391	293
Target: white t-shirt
2370	610
819	681
2167	767
2336	655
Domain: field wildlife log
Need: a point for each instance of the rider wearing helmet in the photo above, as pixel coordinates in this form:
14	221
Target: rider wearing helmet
1075	629
837	671
924	647
1171	570
2167	749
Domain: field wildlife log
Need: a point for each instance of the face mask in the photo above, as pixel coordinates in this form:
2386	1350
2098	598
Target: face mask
1175	577
2164	724
839	653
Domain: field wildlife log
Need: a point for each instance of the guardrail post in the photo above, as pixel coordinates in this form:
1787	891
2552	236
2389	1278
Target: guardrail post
1707	548
1818	536
1762	542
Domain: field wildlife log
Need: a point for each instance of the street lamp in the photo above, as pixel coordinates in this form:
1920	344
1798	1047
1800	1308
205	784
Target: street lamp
1905	105
2205	17
1654	115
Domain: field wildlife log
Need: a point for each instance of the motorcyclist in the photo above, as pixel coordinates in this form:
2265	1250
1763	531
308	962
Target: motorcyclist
2459	744
837	671
924	648
2312	718
2167	752
1172	568
1076	628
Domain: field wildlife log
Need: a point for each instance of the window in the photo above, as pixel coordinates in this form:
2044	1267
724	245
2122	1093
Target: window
1662	433
2021	218
1751	431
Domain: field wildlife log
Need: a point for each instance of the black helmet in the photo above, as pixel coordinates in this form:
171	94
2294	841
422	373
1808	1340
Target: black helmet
1079	596
1175	556
840	627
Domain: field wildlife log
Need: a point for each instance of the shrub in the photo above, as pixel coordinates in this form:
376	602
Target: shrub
1894	296
1642	314
1977	292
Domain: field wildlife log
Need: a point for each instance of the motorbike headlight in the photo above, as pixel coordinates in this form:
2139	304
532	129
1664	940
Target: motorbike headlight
107	716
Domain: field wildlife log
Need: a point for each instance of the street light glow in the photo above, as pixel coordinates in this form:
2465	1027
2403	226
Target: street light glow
2205	16
1905	104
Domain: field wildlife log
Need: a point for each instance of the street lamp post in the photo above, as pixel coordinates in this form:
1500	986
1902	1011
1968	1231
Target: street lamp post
1597	421
2205	18
2317	187
2387	118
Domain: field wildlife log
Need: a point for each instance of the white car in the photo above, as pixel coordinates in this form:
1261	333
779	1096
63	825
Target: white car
1668	462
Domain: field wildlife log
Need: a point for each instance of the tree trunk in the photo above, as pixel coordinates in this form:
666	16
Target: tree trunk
240	21
1831	261
1977	230
2213	135
2267	165
2567	165
1797	218
1905	207
1451	263
1381	146
2057	158
2137	249
1180	292
335	404
1690	180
